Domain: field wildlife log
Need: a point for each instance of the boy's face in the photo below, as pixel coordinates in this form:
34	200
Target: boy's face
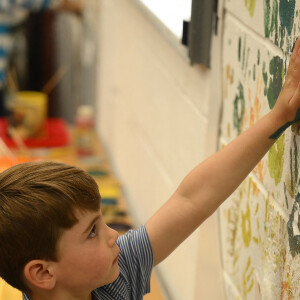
87	255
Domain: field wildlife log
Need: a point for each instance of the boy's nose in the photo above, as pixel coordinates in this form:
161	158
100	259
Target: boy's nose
112	236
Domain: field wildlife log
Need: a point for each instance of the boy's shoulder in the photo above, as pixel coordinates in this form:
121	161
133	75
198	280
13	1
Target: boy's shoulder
136	264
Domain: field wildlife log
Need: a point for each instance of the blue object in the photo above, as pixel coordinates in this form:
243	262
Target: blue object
109	201
4	29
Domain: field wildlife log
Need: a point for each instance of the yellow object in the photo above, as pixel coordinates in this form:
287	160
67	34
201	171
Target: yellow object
109	187
7	292
110	192
28	112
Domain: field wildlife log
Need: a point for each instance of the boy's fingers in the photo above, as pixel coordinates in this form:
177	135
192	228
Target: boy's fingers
293	74
296	45
297	93
296	67
295	100
296	48
296	103
294	55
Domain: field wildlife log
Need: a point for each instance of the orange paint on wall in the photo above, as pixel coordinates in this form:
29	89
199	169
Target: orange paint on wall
260	171
252	117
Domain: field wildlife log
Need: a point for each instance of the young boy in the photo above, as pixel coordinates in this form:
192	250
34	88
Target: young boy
55	245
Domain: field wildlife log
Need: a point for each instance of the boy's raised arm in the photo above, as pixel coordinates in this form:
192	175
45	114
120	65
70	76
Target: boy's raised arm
204	189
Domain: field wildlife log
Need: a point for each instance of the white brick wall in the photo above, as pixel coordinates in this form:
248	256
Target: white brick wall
260	254
153	117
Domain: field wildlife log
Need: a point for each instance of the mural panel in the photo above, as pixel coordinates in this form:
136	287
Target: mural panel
277	20
260	224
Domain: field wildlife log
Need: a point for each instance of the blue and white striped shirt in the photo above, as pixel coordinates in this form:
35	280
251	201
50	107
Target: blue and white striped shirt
135	262
13	12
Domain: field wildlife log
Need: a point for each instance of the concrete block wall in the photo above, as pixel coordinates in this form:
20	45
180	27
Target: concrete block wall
153	115
259	223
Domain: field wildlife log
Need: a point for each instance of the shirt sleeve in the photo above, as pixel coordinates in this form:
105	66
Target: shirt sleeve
136	261
8	6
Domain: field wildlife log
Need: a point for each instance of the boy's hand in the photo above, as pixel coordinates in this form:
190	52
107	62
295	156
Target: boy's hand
288	101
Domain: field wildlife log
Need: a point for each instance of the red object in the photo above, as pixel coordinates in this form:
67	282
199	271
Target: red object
56	135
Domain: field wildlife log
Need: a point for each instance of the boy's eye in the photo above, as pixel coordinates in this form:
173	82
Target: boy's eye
92	232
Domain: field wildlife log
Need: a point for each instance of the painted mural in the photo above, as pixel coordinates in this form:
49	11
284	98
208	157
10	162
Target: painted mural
260	223
277	20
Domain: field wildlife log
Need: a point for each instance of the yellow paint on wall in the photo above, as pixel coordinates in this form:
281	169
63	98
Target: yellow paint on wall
289	184
246	226
250	5
228	81
248	281
276	157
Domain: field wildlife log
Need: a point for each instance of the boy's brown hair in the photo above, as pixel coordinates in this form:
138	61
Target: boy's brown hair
37	202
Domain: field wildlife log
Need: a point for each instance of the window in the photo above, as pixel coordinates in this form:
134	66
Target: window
171	13
201	16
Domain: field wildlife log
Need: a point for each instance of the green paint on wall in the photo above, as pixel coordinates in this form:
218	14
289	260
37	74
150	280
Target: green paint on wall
244	53
254	72
271	19
239	49
275	82
294	238
258	57
292	177
247	59
239	109
275	161
286	14
279	19
285	195
283	72
250	5
265	78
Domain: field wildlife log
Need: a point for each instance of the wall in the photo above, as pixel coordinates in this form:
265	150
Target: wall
259	223
155	115
157	120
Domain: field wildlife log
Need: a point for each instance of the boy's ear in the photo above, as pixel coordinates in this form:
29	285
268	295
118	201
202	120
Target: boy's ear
38	273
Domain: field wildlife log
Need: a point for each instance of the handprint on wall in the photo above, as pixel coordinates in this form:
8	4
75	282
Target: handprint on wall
279	20
248	281
293	227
